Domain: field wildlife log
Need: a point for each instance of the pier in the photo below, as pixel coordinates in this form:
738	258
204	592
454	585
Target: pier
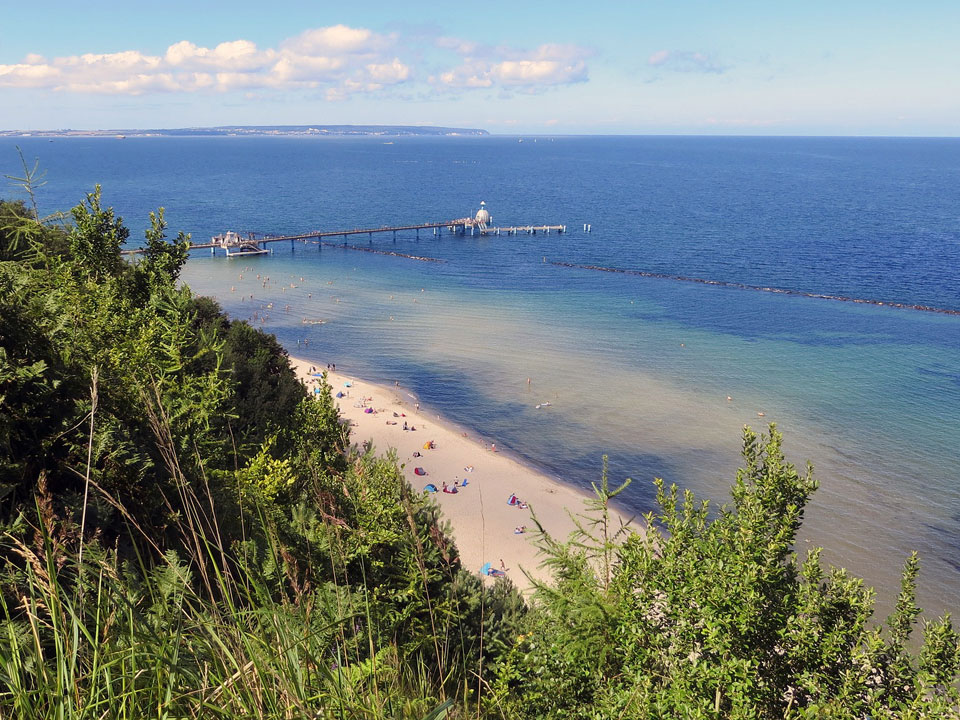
254	243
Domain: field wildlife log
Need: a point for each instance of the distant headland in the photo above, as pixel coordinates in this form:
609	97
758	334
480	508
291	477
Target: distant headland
257	130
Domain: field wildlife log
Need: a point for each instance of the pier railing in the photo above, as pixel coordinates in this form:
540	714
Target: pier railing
460	226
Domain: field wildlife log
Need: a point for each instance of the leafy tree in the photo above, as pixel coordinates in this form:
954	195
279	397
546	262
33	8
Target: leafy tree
715	617
96	238
162	260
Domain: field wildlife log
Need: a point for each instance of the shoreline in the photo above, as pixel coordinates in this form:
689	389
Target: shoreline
483	524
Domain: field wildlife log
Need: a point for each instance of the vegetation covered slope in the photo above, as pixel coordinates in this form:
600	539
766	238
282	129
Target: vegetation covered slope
186	533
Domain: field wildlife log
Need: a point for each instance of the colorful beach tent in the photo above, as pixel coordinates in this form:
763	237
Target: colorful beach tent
513	500
429	488
339	394
429	445
368	410
485	570
419	471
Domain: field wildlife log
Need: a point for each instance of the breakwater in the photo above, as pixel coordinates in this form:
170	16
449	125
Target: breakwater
759	288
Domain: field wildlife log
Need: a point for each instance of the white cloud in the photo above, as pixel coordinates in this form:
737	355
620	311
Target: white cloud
686	61
389	73
309	69
338	61
28	75
235	56
484	66
337	39
342	59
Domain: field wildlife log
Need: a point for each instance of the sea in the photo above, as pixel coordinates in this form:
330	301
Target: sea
653	369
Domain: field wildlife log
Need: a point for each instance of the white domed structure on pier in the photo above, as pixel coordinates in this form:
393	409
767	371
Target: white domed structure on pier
483	216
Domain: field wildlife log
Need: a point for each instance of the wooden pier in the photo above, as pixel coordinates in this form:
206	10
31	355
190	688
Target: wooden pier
253	243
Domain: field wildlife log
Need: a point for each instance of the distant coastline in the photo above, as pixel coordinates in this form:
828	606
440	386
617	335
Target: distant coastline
257	131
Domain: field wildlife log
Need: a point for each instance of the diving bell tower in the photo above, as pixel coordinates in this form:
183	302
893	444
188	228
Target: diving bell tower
482	218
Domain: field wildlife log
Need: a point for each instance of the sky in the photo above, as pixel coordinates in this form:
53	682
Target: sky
770	67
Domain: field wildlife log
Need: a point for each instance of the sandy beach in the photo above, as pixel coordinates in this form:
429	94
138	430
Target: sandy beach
484	523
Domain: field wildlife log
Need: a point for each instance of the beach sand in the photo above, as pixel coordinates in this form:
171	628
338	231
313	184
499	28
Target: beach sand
483	522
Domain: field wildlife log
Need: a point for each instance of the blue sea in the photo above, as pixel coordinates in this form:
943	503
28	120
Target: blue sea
634	367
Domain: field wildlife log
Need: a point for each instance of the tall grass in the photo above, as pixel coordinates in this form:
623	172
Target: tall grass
104	640
238	630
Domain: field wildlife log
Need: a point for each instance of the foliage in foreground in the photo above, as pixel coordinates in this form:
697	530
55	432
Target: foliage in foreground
706	617
184	530
185	533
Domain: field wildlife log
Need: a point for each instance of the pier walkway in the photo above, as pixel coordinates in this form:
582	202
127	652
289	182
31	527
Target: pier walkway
253	243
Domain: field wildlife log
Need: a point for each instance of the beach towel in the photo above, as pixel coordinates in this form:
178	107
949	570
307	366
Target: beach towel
419	471
488	569
451	490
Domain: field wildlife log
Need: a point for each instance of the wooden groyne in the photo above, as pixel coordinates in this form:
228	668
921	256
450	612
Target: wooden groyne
758	288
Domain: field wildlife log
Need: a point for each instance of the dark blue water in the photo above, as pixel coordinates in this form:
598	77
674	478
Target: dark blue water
636	367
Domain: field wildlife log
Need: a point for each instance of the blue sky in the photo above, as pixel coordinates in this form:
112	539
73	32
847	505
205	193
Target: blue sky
651	66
